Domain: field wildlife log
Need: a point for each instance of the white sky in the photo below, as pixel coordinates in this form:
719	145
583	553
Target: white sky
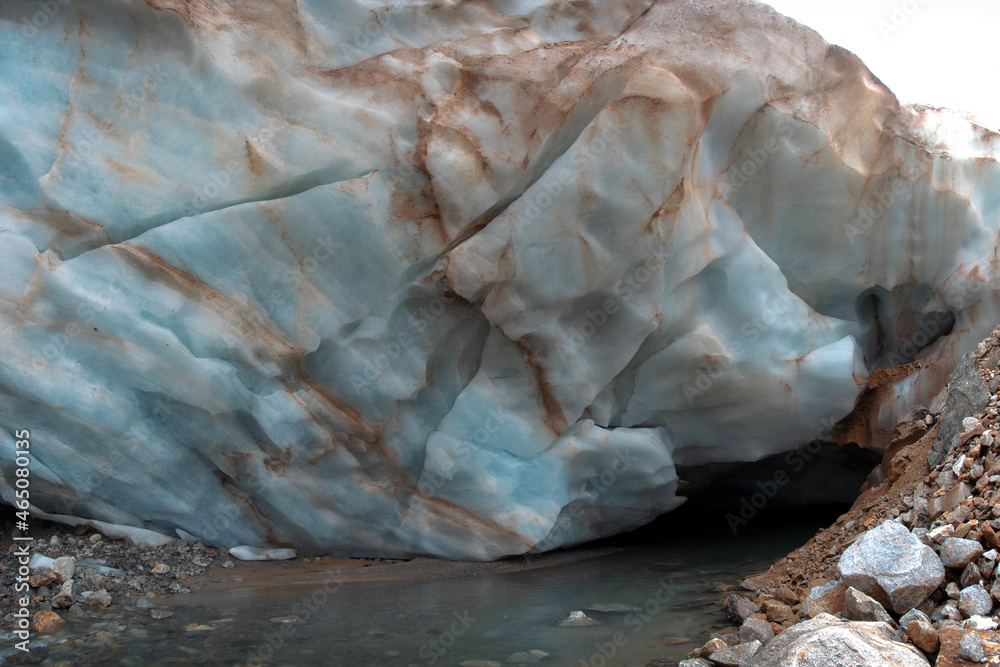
939	52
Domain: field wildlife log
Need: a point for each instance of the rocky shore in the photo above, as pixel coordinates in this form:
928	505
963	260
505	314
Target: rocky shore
908	576
88	589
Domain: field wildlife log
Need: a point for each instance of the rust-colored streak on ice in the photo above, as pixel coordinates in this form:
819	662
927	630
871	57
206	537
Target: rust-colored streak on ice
276	22
554	418
255	161
472	523
245	321
90	232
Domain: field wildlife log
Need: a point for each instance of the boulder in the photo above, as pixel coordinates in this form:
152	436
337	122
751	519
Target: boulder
826	641
923	635
950	653
892	566
756	629
711	646
975	601
860	607
42	577
100	599
738	609
958	552
967	395
577	619
778	612
736	656
825	599
970	647
912	615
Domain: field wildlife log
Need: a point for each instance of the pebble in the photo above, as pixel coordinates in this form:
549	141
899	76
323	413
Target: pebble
526	657
100	599
64	568
577	619
45	622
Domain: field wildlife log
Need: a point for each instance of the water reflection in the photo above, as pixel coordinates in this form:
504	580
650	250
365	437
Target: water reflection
438	613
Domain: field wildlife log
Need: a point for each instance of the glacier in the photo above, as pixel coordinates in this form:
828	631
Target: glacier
461	279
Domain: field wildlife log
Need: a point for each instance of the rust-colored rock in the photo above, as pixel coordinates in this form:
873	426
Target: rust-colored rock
778	612
923	635
950	638
989	536
45	622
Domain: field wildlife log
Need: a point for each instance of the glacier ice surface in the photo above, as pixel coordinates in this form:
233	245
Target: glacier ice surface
464	280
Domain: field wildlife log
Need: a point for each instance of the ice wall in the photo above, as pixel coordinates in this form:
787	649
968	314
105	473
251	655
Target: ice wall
465	279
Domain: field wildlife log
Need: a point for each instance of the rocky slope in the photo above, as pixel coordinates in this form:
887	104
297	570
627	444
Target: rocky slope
466	280
916	553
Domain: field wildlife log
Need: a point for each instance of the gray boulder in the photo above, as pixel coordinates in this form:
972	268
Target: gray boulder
756	629
736	656
860	607
827	641
975	601
738	608
958	552
970	648
892	566
967	395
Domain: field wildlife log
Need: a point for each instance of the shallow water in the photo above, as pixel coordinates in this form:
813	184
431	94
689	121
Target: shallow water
438	613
